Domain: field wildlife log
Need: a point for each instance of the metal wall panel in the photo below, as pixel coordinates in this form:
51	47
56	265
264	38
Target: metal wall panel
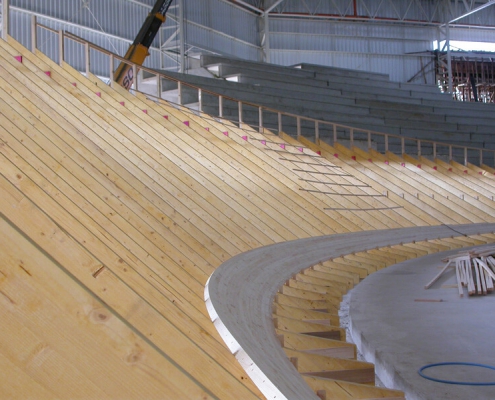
115	17
346	43
223	17
385	9
399	68
208	39
363	29
473	34
220	27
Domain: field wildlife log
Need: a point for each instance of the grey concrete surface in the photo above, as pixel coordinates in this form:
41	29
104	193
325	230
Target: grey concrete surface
239	297
400	335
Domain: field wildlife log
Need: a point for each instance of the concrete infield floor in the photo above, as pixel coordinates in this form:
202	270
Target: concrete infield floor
400	335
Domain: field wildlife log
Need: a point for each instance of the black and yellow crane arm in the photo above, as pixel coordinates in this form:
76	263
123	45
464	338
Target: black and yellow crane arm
138	51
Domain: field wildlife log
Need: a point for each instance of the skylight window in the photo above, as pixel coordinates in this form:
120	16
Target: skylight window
461	45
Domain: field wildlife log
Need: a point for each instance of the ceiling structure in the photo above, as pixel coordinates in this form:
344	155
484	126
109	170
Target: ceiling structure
405	11
387	36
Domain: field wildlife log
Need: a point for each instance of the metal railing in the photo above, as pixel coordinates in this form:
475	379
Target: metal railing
295	125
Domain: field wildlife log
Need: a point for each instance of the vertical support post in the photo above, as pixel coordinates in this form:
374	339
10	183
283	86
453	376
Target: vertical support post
419	148
220	106
279	122
481	157
386	143
182	41
239	105
449	59
351	137
450	153
402	146
111	70
369	140
465	156
179	92
200	100
86	51
266	39
334	133
434	150
298	123
136	77
158	86
5	19
60	47
260	119
317	132
34	34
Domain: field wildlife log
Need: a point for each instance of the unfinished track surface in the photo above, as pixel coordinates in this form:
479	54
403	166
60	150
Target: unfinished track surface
116	209
241	291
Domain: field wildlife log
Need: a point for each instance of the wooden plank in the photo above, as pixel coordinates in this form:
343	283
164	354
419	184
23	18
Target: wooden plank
330	267
358	178
340	390
89	337
333	368
125	302
337	284
309	328
317	345
363	269
408	183
306	294
306	315
20	384
148	158
317	288
336	276
401	192
472	185
336	291
468	205
297	302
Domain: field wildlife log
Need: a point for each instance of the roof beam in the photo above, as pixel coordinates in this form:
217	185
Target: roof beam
273	6
475	10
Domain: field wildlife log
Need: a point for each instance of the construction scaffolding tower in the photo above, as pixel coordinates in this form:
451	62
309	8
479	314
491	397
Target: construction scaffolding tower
473	75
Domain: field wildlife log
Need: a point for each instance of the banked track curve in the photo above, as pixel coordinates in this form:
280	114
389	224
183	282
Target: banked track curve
239	296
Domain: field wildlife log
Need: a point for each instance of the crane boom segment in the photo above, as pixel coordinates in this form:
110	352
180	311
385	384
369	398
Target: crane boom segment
138	51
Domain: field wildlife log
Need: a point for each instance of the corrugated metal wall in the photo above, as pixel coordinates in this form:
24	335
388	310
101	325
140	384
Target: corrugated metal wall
362	46
221	27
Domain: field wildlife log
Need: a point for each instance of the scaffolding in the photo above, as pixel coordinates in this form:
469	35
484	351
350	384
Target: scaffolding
473	76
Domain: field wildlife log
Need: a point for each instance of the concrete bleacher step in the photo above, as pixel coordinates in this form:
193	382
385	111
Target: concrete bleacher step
252	71
406	121
343	72
441	112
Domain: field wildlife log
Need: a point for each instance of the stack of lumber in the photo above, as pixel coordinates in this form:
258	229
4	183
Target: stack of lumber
474	270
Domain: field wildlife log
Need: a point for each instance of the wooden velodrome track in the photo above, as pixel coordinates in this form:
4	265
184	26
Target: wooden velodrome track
116	210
